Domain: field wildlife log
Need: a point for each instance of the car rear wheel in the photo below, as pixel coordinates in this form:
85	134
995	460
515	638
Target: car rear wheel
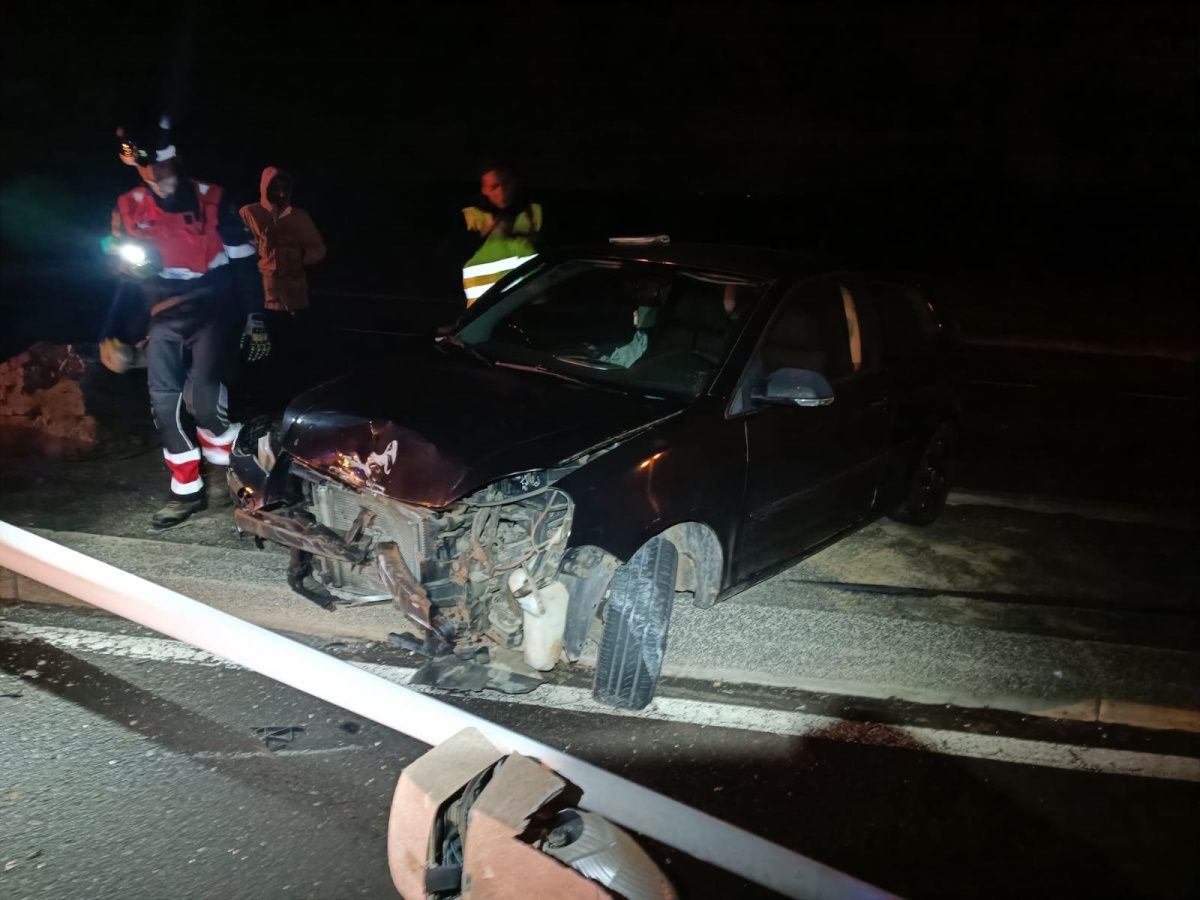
636	618
931	482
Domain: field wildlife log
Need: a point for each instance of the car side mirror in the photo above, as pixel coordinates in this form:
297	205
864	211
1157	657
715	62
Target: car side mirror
796	387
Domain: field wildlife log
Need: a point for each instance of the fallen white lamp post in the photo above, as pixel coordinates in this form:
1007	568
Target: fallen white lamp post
425	718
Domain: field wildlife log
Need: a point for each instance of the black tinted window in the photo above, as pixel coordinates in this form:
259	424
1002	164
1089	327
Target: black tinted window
811	331
908	325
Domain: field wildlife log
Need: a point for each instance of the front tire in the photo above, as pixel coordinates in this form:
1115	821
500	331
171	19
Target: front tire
636	618
930	484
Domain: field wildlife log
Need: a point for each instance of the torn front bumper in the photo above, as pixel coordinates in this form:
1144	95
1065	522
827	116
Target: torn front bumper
311	539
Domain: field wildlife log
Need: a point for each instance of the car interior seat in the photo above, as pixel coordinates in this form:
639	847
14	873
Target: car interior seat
697	323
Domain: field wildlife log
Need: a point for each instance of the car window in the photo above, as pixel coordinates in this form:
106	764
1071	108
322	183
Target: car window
816	328
908	324
824	326
649	327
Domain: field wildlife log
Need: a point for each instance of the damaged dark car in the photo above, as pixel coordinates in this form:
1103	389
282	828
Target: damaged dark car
611	430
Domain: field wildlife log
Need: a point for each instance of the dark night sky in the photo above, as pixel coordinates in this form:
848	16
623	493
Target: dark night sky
957	105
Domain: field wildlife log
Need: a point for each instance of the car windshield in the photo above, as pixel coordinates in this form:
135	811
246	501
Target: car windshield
642	327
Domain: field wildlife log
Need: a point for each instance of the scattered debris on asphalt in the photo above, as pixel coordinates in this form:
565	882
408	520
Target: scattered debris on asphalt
276	737
493	669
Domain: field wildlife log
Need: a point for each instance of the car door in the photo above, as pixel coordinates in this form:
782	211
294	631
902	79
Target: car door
910	334
813	471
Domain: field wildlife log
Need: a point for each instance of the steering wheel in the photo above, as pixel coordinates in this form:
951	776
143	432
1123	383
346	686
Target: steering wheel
582	349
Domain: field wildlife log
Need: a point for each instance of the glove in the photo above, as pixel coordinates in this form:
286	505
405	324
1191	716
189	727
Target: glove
256	340
119	357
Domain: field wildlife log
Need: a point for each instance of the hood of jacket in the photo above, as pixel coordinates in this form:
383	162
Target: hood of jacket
269	174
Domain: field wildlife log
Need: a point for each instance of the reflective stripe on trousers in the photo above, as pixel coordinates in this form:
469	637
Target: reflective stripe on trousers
185	472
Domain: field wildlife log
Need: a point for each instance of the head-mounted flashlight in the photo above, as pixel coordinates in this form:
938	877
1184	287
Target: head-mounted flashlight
129	151
134	254
134	154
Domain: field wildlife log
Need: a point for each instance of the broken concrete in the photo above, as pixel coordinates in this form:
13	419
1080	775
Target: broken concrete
424	788
498	865
468	820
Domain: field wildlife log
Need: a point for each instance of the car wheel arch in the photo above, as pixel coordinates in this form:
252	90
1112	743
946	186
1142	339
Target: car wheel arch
587	570
701	560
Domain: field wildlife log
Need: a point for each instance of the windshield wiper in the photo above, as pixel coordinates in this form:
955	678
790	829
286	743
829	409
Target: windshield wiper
542	370
587	363
455	341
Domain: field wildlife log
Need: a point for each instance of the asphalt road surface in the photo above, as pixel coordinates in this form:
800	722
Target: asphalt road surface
133	769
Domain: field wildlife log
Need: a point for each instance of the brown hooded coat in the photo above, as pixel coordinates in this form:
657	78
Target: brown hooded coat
287	242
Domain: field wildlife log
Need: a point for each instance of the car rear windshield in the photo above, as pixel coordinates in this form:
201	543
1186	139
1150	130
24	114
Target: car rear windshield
643	327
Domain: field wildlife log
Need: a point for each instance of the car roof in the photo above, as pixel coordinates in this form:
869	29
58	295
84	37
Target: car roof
756	262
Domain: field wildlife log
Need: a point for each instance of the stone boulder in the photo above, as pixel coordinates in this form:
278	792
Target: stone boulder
56	400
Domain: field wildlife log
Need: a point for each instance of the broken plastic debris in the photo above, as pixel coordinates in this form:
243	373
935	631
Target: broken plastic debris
276	737
496	670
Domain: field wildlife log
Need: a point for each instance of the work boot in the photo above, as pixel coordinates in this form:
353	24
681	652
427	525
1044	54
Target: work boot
216	479
176	511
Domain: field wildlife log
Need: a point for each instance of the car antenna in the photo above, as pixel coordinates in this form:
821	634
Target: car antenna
642	239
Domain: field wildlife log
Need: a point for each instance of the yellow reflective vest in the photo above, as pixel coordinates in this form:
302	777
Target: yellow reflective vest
498	255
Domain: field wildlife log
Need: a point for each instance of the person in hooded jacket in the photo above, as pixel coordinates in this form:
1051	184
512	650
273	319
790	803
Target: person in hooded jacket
288	242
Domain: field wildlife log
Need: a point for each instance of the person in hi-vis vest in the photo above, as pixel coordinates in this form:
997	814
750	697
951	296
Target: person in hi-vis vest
503	228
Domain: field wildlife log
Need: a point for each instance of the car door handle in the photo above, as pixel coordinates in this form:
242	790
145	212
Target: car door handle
876	404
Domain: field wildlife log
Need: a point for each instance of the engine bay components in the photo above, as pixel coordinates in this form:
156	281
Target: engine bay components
480	574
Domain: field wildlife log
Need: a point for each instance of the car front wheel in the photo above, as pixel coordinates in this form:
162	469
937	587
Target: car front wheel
636	617
931	481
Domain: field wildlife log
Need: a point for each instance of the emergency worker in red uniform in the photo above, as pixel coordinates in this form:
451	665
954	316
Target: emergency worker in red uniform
177	237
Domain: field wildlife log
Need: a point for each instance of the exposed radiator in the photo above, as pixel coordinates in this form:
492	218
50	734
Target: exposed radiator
411	529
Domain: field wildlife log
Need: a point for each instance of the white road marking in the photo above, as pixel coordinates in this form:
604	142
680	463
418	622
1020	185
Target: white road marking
993	748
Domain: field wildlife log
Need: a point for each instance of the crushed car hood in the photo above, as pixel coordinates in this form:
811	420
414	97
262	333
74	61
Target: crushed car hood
432	427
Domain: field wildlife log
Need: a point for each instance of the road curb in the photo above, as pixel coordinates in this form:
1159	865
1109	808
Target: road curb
1138	715
1125	513
273	605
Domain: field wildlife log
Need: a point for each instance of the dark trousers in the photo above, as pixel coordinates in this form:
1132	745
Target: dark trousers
187	357
128	314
